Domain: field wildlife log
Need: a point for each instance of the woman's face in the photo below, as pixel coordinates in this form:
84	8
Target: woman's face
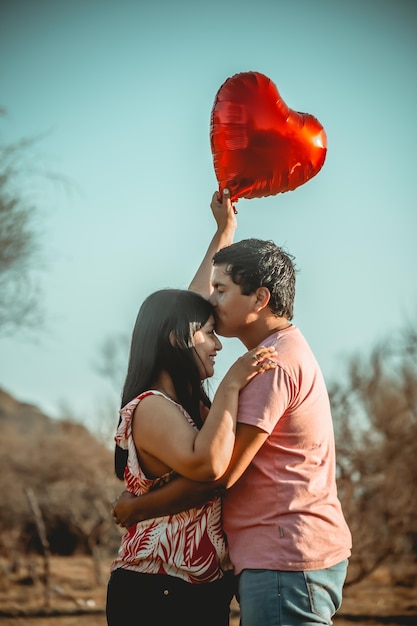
206	345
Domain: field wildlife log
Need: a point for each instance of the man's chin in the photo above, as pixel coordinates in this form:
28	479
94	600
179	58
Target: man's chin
222	332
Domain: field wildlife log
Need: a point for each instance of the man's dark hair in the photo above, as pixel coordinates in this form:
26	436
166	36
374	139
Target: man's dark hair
254	263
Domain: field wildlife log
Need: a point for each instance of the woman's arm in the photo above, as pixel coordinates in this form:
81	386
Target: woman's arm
180	493
202	455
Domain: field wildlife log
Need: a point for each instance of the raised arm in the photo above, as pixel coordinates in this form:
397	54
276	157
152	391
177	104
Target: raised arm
225	217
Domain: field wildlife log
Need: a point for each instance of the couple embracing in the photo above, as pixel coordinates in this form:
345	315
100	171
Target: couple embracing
237	496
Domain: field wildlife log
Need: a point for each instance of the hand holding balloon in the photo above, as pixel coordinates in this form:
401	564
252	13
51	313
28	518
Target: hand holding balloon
260	146
224	212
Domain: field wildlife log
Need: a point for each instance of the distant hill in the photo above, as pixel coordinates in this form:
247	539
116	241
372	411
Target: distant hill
69	471
25	418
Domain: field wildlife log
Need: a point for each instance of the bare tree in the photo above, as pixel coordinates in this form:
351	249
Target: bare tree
19	243
111	365
40	525
375	411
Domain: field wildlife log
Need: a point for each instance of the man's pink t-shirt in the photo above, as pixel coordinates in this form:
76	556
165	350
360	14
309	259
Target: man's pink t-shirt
284	512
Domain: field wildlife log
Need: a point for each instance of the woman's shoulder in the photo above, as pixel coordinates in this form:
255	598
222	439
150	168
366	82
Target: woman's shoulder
156	396
153	399
150	393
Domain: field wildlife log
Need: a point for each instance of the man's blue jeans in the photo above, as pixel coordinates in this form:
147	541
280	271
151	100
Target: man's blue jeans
278	598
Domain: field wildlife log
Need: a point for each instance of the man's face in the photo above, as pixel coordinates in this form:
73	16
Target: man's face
232	309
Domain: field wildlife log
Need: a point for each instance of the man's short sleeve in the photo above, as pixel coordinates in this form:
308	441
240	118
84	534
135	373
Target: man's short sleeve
265	399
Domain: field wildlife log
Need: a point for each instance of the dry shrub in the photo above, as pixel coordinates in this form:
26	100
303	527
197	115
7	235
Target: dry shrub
70	474
375	412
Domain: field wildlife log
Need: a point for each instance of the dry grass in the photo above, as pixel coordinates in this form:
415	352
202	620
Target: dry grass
389	597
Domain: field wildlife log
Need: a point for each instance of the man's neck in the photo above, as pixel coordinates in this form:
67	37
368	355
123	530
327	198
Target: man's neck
262	328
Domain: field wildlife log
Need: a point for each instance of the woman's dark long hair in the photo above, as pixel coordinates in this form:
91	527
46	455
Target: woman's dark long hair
162	340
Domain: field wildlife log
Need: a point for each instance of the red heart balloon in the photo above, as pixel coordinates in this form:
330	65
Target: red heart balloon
260	146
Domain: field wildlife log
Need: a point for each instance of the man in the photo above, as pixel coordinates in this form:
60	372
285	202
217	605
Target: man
287	536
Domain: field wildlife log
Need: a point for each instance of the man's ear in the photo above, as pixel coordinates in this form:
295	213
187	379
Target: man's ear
173	339
263	297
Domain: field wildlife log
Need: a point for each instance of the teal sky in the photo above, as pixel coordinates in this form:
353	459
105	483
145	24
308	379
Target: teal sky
123	91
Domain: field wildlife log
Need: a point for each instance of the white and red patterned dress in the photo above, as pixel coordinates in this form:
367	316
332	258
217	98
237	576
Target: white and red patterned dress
190	545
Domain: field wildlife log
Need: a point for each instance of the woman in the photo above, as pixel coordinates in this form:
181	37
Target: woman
175	569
